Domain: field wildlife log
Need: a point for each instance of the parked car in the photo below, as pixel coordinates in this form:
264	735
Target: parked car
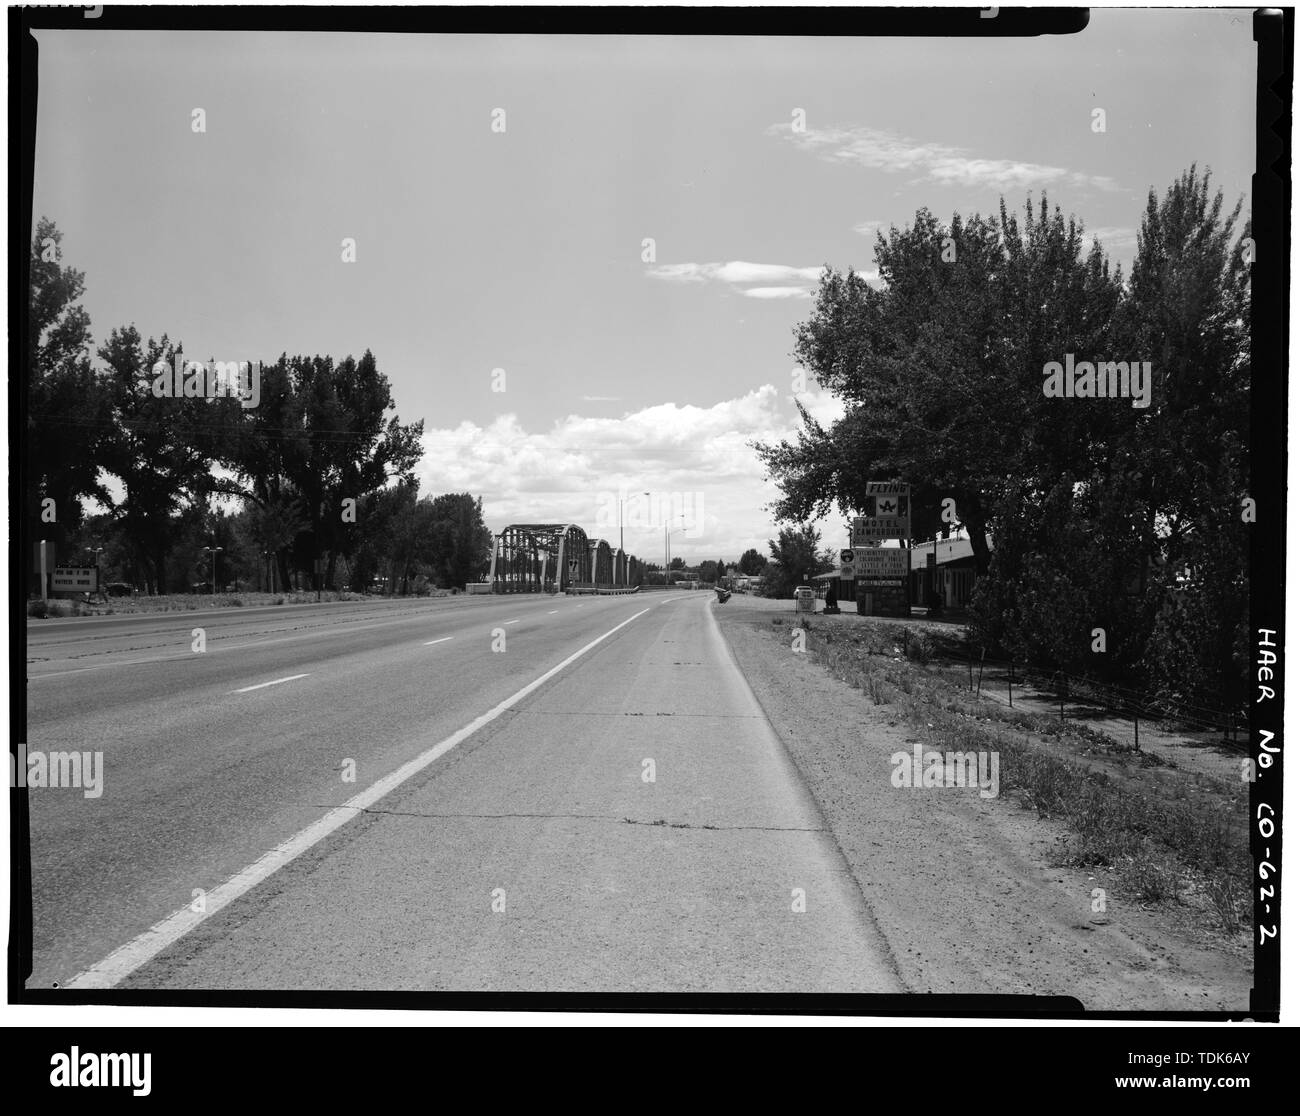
119	589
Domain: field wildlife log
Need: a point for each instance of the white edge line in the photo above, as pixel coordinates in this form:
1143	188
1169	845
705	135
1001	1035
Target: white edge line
512	621
124	960
263	685
443	640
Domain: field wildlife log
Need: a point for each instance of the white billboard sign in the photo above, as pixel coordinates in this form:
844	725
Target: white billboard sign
881	562
74	579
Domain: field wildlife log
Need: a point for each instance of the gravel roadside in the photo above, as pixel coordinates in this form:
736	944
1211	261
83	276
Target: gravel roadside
962	887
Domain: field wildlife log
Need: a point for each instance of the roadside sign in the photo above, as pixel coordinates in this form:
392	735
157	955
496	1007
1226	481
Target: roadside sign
888	501
867	531
889	514
75	579
881	562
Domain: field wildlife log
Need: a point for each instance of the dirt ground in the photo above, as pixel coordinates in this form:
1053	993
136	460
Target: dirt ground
962	887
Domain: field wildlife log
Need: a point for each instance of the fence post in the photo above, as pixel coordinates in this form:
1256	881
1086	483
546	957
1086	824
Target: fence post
1010	703
1136	746
980	684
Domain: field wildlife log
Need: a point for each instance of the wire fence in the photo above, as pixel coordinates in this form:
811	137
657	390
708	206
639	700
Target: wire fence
1112	698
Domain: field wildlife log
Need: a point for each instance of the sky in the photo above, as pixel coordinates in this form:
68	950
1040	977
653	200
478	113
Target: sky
523	251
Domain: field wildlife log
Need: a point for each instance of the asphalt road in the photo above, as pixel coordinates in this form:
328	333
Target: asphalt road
500	829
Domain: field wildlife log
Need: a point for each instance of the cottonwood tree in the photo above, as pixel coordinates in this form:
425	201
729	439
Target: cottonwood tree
1189	308
794	558
939	367
322	433
1104	515
461	544
159	449
67	405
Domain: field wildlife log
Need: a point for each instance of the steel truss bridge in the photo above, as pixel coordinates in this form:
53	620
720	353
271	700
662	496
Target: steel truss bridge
558	558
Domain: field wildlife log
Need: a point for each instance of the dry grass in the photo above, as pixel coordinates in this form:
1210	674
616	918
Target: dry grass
1169	836
185	602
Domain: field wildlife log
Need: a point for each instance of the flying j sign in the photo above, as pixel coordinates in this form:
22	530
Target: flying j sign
889	514
888	501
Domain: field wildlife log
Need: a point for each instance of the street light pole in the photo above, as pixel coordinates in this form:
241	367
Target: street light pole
214	551
97	551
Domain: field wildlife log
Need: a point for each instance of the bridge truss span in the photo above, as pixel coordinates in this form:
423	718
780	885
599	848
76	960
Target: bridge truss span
558	558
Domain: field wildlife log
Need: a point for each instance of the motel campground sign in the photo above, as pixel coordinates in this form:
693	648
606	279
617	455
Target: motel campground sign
889	515
880	573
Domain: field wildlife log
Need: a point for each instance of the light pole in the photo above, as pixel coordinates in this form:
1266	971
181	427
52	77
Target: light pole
214	551
668	548
623	553
97	551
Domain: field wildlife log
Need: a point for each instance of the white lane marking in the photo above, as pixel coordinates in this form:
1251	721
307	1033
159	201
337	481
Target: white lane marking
263	685
443	640
512	621
553	612
124	960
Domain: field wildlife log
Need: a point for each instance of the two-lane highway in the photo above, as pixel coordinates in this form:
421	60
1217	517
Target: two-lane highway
506	793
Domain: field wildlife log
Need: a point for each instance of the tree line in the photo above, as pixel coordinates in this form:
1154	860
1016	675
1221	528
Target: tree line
321	467
1118	531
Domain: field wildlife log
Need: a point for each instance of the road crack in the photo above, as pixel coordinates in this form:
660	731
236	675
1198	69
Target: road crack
659	823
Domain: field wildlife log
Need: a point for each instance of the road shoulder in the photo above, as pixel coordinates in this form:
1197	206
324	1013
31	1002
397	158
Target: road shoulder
962	887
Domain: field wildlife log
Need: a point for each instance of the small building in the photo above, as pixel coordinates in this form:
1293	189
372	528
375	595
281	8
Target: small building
948	565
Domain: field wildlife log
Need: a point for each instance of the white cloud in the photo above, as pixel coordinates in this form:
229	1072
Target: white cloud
1111	236
778	280
936	162
696	462
868	228
777	292
739	273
